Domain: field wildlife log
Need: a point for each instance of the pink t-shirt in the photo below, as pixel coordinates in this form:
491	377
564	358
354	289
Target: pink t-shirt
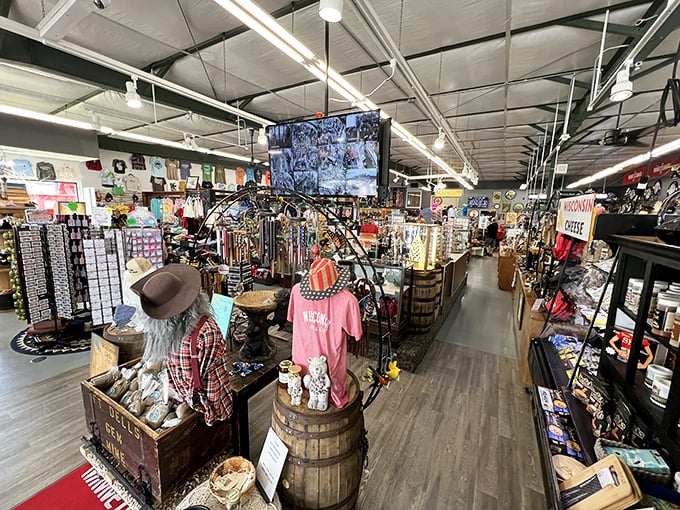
319	327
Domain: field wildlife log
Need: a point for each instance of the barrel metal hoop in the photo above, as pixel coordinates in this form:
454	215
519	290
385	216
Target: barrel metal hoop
300	434
329	461
336	506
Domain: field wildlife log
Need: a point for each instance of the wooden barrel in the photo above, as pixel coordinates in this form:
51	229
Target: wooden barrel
425	299
130	342
323	467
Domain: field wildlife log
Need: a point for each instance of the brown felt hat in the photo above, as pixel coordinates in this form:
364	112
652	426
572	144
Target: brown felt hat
168	291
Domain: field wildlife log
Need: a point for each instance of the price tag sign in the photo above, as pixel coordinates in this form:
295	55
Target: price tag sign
270	465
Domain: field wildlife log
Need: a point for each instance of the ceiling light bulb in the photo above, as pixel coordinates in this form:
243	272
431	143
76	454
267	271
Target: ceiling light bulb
131	96
262	137
623	88
439	142
330	10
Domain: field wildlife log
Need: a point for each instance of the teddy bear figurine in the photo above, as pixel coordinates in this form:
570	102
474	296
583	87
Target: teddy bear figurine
318	383
295	390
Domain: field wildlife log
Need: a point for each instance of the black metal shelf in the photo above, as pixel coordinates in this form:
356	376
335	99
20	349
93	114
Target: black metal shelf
639	396
648	331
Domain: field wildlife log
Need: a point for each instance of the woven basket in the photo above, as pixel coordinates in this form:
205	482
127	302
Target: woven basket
254	301
642	473
233	465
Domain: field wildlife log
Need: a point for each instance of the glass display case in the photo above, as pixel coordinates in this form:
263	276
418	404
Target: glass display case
454	239
395	284
421	244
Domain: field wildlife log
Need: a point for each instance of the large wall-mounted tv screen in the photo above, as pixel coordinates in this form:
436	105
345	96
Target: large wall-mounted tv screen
337	155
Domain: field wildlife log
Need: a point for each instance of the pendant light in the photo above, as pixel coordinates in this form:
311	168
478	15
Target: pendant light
330	10
131	96
623	88
262	137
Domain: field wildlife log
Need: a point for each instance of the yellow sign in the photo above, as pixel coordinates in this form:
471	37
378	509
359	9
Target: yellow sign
449	193
103	355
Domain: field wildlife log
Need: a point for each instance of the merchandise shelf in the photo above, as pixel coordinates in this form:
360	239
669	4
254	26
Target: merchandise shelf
639	394
647	330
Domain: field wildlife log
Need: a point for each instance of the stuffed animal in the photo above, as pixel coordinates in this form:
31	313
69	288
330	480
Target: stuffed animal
295	390
318	383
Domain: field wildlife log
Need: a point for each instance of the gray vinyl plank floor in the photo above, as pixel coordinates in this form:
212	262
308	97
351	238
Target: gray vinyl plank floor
456	434
483	318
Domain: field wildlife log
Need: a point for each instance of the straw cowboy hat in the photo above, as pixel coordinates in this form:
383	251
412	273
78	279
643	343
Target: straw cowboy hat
137	268
168	291
323	280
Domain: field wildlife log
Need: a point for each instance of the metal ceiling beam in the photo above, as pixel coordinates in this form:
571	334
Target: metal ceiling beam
23	50
118	145
566	81
76	102
164	65
597	26
5	6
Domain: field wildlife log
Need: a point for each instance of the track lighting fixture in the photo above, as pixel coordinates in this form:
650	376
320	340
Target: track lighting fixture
131	96
330	10
623	88
440	141
262	136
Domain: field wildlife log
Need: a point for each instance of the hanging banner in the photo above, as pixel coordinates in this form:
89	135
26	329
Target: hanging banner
659	169
575	216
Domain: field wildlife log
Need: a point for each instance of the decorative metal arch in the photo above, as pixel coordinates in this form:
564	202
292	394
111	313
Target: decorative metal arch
379	376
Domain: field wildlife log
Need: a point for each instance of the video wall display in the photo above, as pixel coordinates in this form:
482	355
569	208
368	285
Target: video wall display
330	156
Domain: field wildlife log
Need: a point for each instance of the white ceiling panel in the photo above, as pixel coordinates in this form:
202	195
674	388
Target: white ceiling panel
537	92
474	65
464	103
536	54
422	33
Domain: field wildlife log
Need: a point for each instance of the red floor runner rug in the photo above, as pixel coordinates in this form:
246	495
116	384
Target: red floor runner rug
83	489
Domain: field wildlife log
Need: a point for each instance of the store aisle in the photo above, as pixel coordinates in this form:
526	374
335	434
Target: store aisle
17	371
483	319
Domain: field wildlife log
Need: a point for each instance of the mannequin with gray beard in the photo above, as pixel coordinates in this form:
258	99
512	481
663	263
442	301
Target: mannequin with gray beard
177	323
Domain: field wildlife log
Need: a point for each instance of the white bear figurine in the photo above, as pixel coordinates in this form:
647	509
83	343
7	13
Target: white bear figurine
295	390
318	383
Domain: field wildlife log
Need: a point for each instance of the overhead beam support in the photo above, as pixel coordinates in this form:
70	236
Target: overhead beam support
23	50
597	26
567	81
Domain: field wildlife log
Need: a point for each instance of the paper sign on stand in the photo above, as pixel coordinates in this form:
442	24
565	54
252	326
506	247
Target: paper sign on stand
103	355
222	307
575	216
270	465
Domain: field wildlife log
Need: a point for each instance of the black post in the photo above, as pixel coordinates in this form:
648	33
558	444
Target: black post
559	285
327	52
592	322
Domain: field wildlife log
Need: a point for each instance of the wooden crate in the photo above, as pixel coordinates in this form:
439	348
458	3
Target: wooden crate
166	457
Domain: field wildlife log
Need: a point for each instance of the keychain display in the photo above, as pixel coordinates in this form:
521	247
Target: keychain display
145	243
103	260
78	229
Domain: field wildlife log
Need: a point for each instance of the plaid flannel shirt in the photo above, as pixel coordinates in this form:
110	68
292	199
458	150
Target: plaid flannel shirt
214	400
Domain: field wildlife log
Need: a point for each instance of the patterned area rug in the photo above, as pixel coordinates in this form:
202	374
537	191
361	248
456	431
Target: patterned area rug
48	345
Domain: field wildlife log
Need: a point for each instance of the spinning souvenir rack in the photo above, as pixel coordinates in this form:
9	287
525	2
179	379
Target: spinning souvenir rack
260	198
